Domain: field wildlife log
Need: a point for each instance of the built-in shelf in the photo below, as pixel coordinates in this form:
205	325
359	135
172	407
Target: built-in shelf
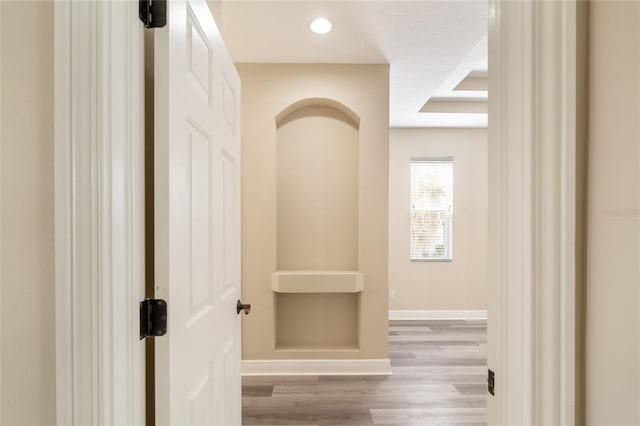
317	348
317	282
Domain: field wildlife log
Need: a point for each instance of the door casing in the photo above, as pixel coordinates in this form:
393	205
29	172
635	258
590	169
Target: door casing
534	240
99	212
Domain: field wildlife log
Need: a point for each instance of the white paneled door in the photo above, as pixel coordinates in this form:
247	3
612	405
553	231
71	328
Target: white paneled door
197	220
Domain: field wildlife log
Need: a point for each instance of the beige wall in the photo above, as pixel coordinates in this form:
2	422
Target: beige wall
216	10
267	90
317	167
461	283
613	254
28	333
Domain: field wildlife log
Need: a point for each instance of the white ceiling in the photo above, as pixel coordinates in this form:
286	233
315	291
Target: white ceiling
430	45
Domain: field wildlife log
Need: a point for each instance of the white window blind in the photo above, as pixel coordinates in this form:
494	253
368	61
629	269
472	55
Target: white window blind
431	209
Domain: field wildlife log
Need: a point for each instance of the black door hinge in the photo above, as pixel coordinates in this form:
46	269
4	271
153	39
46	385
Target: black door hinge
153	318
153	13
491	382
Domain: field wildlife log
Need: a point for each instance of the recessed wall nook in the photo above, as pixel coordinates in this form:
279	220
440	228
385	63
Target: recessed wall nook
317	231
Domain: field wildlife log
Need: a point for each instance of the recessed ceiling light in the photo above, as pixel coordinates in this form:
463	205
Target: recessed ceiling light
321	25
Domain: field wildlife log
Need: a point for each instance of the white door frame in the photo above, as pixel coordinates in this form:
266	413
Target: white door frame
99	212
532	211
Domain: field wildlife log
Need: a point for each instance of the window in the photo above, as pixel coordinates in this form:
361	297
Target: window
431	208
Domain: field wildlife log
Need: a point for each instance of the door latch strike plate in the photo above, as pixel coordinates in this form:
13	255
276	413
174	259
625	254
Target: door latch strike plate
491	382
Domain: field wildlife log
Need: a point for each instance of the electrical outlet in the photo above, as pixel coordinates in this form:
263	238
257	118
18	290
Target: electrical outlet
392	294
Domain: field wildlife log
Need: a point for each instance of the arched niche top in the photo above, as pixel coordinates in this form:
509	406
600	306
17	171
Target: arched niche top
318	107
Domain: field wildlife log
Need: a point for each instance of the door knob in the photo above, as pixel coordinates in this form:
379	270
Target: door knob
240	307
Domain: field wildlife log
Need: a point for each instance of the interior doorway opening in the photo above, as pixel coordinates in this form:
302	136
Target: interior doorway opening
516	190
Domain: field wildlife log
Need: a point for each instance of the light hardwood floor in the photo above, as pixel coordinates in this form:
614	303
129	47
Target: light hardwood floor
439	378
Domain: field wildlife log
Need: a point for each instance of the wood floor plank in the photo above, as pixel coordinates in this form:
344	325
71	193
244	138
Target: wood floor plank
348	389
423	416
307	415
401	355
450	354
402	328
405	345
441	361
431	369
416	400
279	380
408	379
471	389
257	390
450	337
331	402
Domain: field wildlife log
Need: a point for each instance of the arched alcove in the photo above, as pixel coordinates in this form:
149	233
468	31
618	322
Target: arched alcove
317	186
318	107
317	235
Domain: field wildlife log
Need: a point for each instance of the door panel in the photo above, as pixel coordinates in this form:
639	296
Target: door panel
197	182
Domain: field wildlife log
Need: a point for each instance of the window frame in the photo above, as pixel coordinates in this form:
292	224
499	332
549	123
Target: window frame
442	159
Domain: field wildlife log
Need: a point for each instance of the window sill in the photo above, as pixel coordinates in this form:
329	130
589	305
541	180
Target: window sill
430	260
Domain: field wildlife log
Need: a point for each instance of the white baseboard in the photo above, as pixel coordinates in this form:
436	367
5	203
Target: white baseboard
316	367
448	314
